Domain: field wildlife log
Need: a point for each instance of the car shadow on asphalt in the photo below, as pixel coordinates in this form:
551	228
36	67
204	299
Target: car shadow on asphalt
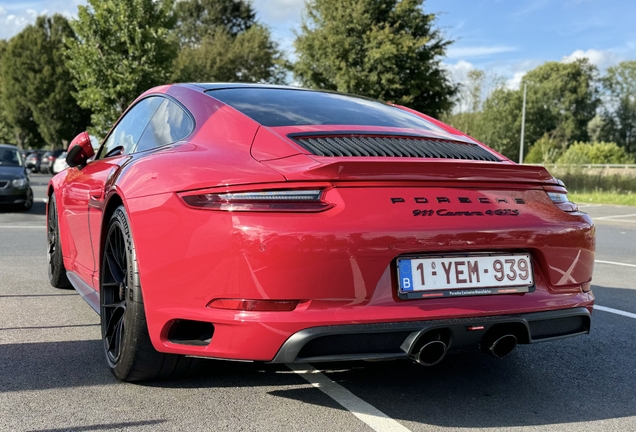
38	208
576	380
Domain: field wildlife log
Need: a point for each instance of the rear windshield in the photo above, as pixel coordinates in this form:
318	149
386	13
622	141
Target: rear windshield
10	157
280	107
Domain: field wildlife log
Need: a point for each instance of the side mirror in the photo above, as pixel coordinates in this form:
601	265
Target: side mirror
79	150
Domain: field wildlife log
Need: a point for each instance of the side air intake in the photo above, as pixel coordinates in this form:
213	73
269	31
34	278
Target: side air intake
365	145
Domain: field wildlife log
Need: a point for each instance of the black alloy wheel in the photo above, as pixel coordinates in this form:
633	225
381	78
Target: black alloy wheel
56	270
129	352
114	287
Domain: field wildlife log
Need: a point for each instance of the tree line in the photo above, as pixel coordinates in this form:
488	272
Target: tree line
59	77
574	114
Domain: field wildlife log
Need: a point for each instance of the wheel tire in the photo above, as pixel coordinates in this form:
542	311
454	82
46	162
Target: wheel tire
57	272
29	201
129	352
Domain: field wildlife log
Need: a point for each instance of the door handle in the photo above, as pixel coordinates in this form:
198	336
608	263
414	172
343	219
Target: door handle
96	193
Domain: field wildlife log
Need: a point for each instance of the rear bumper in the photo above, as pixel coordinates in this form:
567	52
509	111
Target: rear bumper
399	339
341	265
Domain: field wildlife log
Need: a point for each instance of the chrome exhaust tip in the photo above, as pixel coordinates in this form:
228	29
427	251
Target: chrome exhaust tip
503	346
431	353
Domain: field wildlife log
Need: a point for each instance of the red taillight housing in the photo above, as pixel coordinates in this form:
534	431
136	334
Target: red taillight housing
278	200
254	305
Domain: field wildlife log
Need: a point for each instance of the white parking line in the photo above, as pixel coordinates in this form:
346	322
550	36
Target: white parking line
615	311
614	217
616	220
22	226
614	263
369	414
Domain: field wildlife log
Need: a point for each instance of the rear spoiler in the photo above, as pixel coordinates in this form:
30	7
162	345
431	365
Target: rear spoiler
315	168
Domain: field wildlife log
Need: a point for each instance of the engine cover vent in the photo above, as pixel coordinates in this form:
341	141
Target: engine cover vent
373	145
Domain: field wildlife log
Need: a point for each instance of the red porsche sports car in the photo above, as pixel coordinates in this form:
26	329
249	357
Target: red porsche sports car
277	224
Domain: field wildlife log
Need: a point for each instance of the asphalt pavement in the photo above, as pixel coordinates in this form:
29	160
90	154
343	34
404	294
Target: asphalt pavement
53	376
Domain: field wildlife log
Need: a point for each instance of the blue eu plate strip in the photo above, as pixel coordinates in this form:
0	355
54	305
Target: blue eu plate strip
406	282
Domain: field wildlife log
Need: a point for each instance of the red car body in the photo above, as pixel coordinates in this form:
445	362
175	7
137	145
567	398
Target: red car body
333	273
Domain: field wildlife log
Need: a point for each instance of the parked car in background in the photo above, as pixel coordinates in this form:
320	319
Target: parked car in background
48	159
14	182
60	164
33	160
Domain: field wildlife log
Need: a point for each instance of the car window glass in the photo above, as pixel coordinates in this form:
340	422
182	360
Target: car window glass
169	124
278	107
9	157
127	133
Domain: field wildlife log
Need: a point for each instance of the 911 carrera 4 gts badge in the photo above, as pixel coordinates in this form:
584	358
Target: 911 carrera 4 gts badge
444	212
464	200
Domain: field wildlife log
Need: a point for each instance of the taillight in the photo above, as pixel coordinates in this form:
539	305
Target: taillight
559	196
254	305
285	200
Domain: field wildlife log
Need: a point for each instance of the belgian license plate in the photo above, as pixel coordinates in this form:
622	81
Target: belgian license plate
468	275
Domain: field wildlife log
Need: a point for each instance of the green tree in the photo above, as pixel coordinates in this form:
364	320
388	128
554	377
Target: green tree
198	18
469	100
562	99
6	130
620	109
16	116
384	49
545	150
220	40
35	73
499	123
123	48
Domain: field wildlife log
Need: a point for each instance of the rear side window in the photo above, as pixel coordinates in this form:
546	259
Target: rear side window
169	124
124	138
280	107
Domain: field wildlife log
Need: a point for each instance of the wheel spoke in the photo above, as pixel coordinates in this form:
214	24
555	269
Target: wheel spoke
118	336
114	268
114	324
121	304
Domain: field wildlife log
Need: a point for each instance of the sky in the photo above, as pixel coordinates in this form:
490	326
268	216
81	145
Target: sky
505	37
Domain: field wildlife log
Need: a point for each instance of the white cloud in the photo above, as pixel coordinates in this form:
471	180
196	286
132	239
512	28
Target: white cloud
459	71
480	51
15	16
602	59
515	82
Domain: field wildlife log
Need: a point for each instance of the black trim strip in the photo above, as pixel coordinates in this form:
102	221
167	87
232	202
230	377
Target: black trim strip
371	133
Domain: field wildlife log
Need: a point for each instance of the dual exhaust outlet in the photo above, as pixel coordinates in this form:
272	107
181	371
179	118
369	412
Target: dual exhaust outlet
432	352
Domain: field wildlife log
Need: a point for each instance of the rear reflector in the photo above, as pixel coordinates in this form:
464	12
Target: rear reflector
254	305
295	200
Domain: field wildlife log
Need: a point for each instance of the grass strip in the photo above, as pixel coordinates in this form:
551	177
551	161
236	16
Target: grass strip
603	198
